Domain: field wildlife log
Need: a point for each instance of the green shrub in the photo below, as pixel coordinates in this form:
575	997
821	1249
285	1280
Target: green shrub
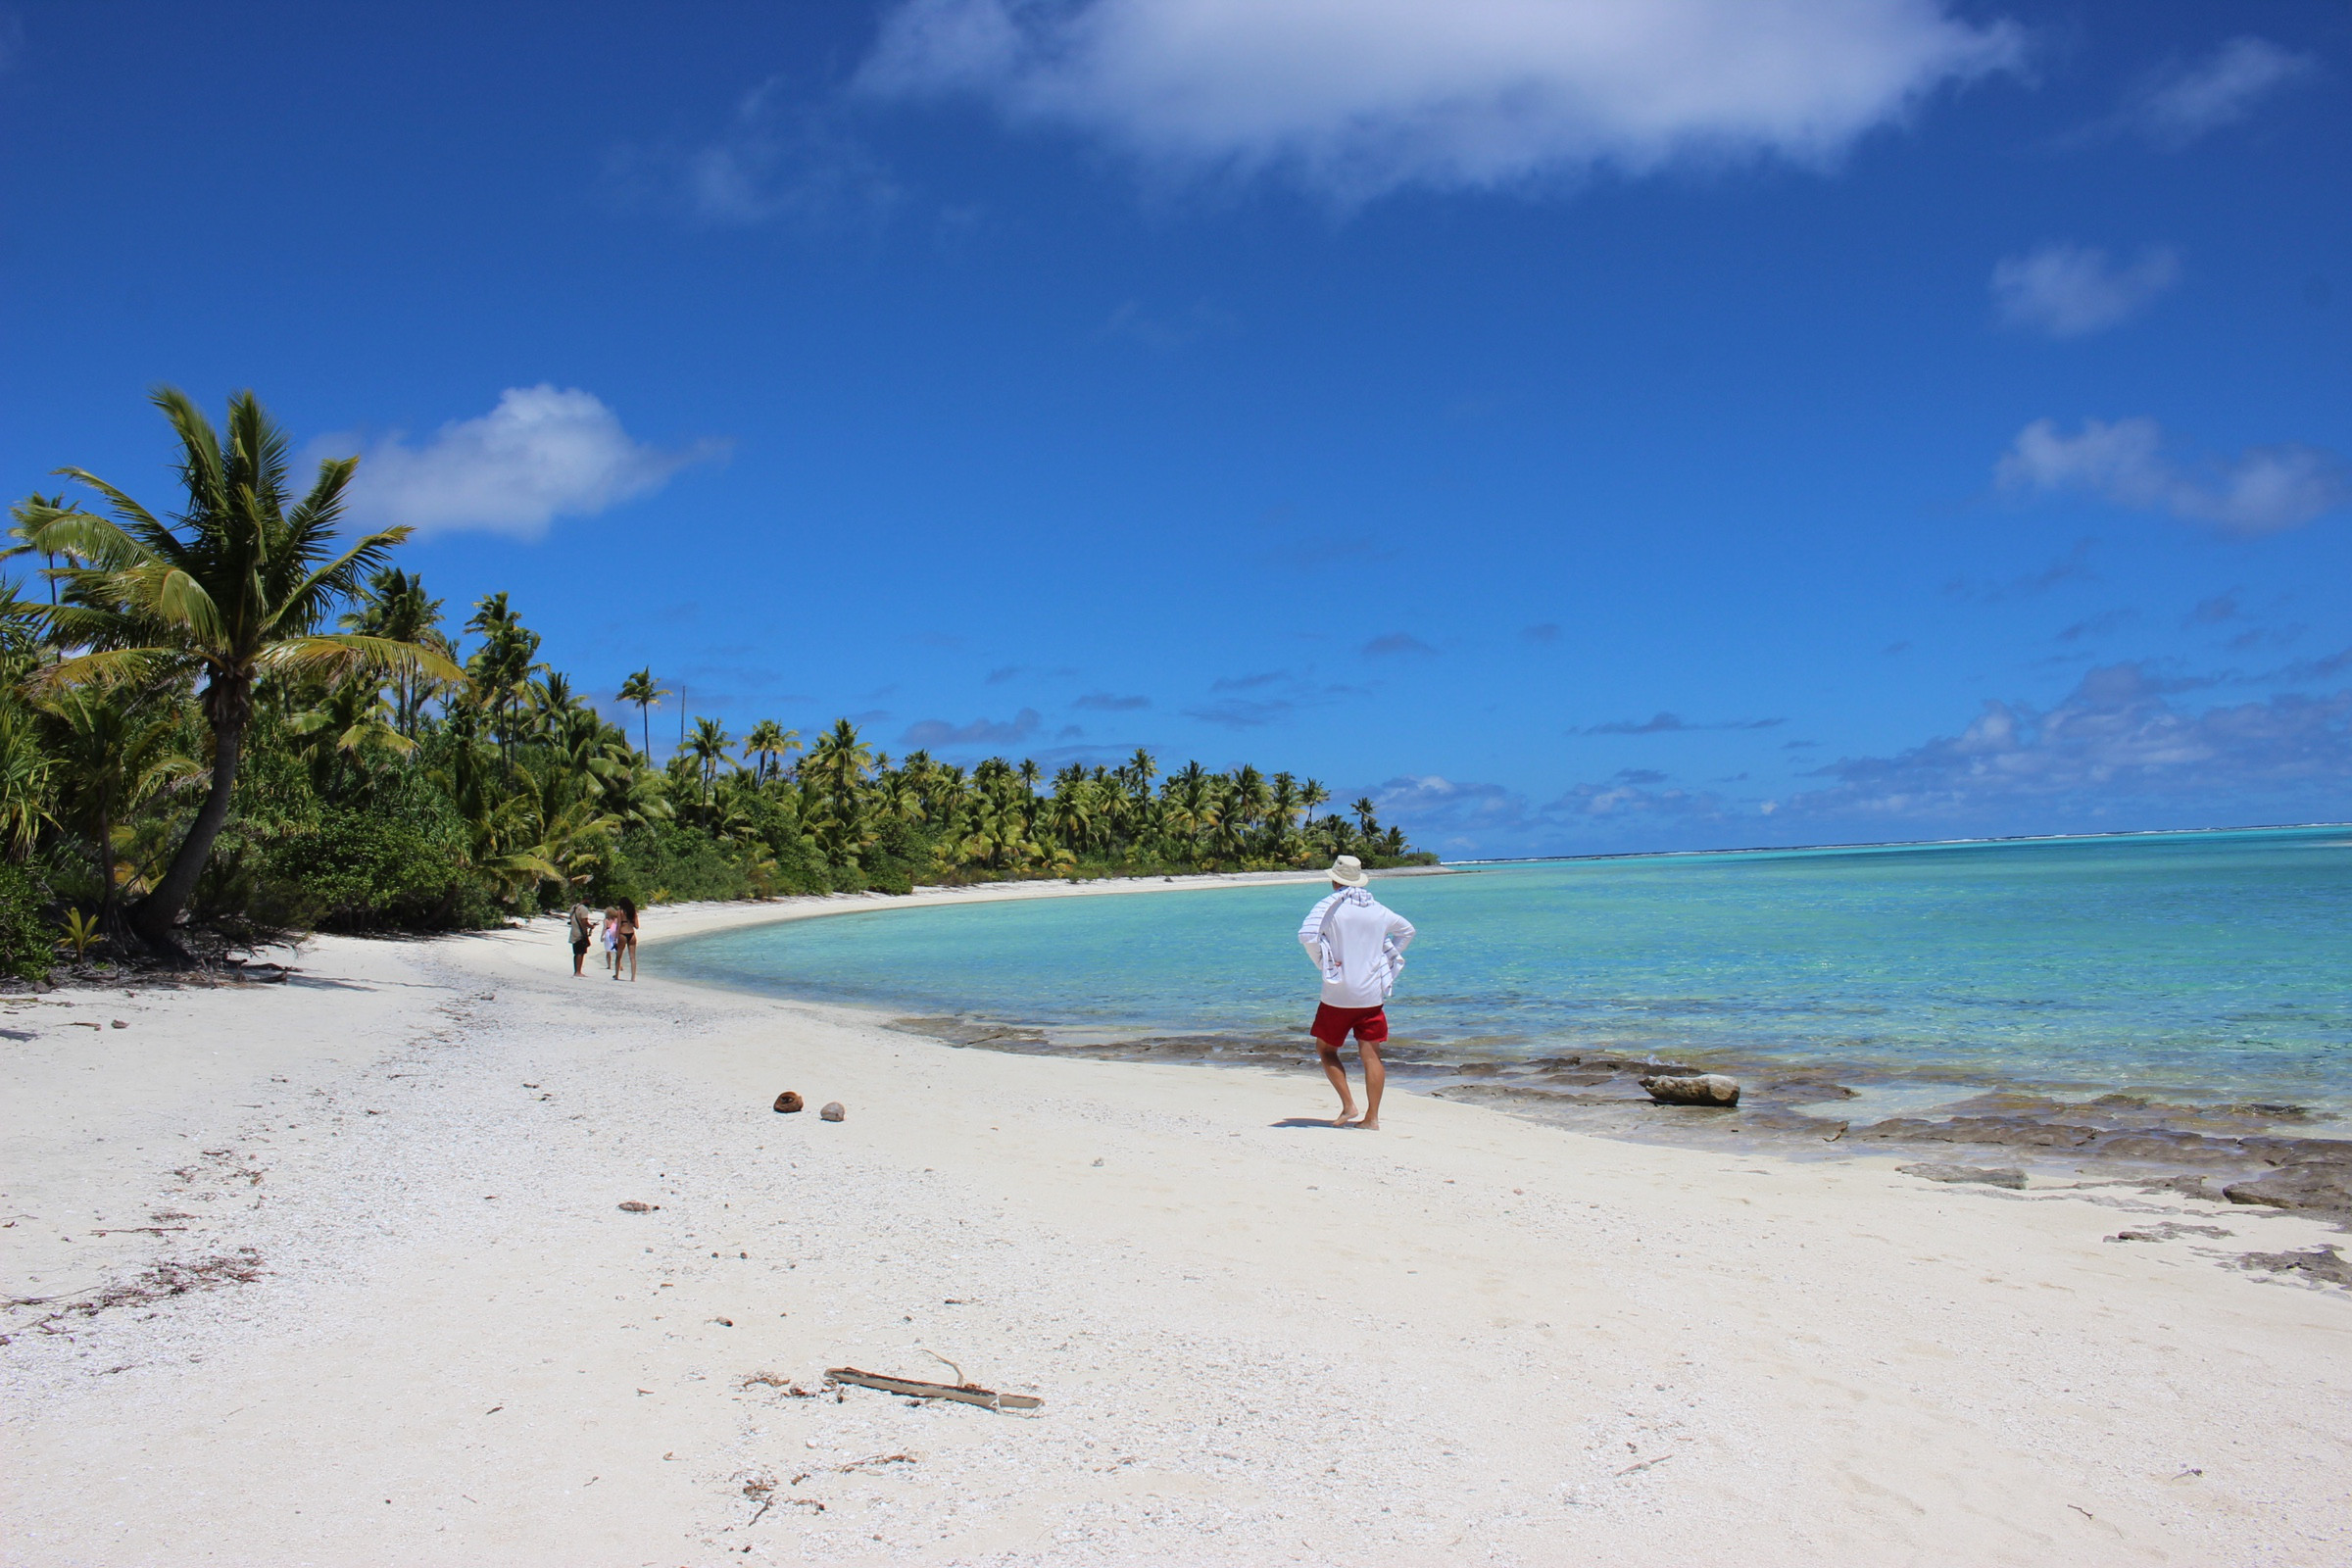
397	864
28	937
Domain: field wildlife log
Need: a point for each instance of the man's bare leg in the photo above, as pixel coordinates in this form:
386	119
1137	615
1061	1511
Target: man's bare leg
1338	1074
1376	1078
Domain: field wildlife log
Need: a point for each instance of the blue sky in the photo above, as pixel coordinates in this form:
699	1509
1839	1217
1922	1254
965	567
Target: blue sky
1581	426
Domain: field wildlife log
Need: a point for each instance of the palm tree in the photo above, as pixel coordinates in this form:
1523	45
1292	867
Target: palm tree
766	742
641	690
230	591
398	608
501	668
352	723
709	747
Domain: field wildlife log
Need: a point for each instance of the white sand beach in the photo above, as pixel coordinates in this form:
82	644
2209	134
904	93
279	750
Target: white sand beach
413	1326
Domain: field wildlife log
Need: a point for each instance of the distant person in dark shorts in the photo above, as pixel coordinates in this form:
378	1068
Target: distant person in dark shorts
1358	943
580	926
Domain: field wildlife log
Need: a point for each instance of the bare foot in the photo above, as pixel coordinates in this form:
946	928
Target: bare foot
1370	1124
1345	1118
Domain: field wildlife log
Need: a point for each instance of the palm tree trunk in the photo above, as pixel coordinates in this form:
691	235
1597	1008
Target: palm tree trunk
109	910
151	919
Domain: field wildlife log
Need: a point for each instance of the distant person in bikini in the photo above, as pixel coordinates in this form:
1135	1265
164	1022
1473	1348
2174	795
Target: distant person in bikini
1358	943
624	939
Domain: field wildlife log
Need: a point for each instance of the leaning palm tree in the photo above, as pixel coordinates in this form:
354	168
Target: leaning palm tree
230	591
641	690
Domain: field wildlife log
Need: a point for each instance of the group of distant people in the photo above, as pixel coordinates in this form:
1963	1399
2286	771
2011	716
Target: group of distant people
616	935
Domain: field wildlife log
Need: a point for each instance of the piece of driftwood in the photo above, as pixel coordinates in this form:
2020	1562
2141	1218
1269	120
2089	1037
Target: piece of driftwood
968	1393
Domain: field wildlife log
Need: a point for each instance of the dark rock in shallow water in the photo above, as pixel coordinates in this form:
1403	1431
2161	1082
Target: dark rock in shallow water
1708	1088
2008	1176
2172	1149
788	1102
2320	1263
832	1111
1983	1130
1808	1091
2327	1187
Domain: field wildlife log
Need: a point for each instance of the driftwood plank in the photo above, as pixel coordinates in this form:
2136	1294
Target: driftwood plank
968	1393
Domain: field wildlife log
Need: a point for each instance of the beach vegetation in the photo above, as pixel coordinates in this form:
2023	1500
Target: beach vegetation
232	717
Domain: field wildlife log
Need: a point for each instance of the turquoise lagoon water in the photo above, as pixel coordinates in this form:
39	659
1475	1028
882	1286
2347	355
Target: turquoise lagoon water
2201	967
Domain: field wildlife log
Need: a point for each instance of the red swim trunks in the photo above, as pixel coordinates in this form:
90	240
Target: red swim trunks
1331	1024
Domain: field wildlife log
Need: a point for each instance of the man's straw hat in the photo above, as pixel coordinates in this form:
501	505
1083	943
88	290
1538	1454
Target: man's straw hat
1348	872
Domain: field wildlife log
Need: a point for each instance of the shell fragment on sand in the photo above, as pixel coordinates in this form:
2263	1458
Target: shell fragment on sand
832	1110
787	1102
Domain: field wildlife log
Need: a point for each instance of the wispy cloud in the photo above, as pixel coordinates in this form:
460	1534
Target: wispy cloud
1396	642
2073	290
939	734
2098	626
1108	703
1248	683
1673	725
2116	742
2073	566
1238	713
1168	331
543	452
2183	103
2212	612
780	158
1356	98
999	675
2263	490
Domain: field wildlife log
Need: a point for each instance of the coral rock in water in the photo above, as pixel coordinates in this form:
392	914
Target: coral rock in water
1708	1089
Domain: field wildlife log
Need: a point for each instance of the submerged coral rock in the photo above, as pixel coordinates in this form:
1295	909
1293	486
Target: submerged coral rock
1708	1088
789	1102
2008	1176
832	1110
2312	1185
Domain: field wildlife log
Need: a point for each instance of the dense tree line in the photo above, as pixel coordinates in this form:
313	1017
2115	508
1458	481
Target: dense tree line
233	716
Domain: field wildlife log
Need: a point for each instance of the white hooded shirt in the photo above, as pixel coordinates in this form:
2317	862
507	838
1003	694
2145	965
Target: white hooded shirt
1358	943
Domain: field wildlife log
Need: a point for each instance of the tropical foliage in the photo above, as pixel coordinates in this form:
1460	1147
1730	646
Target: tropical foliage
233	715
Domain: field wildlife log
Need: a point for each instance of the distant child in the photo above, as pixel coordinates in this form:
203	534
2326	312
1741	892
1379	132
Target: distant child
610	936
1358	944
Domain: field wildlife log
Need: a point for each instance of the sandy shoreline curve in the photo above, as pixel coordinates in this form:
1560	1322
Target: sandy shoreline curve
334	1272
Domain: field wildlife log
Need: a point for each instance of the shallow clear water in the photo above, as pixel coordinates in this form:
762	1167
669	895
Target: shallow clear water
2204	967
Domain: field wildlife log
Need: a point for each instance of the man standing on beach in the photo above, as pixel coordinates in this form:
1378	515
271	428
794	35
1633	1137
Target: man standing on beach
581	927
1358	943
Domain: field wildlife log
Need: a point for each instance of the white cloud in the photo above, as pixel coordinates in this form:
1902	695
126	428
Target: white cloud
543	452
2264	490
2070	290
2182	104
776	161
1357	97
